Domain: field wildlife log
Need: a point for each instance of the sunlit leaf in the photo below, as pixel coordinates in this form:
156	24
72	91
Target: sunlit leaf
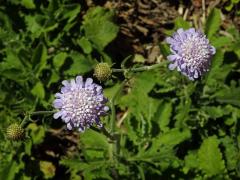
210	157
213	22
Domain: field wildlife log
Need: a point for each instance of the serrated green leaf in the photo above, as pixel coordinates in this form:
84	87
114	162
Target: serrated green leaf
162	146
221	41
210	157
59	59
14	74
89	137
173	137
39	59
12	60
33	26
183	110
12	67
191	161
93	167
229	96
218	72
81	64
98	12
99	28
85	45
113	91
140	112
213	112
100	32
181	23
162	116
29	4
213	22
38	90
54	78
231	153
9	172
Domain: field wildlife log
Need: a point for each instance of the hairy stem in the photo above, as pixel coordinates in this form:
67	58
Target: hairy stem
143	68
29	114
41	112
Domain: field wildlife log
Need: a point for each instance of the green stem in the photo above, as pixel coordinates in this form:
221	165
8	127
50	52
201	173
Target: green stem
113	115
105	132
41	112
27	117
143	68
114	147
24	121
113	110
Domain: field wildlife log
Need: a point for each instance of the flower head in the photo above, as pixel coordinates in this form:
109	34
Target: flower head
102	71
191	52
80	104
15	132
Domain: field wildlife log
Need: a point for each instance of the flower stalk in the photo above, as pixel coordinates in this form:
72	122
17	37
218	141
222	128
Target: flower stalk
29	114
138	69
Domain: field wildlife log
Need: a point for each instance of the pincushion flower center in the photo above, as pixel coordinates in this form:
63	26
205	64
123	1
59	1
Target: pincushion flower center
76	102
195	51
191	52
80	104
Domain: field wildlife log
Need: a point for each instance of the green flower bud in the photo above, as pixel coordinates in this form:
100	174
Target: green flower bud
15	132
102	71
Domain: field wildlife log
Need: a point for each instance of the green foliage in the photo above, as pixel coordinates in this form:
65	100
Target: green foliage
213	23
10	170
99	28
166	126
231	4
37	133
210	157
42	44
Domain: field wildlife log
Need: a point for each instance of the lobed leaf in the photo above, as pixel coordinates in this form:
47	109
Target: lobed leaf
210	157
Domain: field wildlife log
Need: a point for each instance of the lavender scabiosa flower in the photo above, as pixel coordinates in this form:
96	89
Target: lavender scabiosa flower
80	104
191	52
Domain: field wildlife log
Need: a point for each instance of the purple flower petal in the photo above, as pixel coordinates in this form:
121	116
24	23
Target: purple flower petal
213	49
170	40
57	115
80	103
57	103
79	80
88	82
73	83
172	66
65	83
58	95
69	126
106	108
172	57
191	52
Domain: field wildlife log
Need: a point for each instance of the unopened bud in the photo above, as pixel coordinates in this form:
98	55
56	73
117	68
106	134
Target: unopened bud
15	132
102	71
